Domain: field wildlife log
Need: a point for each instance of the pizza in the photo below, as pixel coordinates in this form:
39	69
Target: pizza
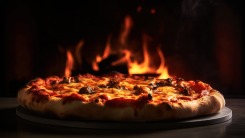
120	97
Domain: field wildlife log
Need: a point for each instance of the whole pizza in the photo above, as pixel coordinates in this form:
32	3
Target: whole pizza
120	97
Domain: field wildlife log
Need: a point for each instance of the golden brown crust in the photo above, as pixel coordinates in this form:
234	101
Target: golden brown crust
141	106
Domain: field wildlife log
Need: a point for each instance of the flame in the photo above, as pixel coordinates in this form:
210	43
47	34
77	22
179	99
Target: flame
128	23
99	58
147	66
162	69
69	63
140	68
144	67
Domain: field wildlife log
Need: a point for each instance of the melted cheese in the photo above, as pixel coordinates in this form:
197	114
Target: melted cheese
124	88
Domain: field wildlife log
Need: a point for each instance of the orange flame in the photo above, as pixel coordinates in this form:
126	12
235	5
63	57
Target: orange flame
99	58
69	63
144	67
128	23
141	68
162	69
134	67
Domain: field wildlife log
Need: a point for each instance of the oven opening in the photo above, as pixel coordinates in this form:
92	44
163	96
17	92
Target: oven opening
193	39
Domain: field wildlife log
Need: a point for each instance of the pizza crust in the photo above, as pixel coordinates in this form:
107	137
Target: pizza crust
205	105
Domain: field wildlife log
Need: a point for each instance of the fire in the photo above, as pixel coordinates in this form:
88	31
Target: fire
128	23
69	63
99	58
147	66
141	68
144	68
162	69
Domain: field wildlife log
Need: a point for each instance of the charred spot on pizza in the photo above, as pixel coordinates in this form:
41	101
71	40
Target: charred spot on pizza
40	96
144	99
53	82
186	91
96	100
152	86
37	81
113	84
86	90
102	86
187	98
137	90
167	106
164	82
140	89
103	98
149	96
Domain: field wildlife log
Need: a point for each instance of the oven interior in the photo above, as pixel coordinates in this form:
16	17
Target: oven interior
191	39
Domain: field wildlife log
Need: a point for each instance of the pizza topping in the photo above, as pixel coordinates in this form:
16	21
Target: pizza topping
50	81
37	82
186	91
113	84
204	92
199	86
144	99
104	97
140	89
149	96
172	99
118	86
118	96
76	79
153	86
86	90
188	98
66	80
164	82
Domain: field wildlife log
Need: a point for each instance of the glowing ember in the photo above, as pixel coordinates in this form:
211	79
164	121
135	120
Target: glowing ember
69	63
153	11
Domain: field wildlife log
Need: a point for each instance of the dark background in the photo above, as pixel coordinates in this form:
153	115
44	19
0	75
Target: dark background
200	39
